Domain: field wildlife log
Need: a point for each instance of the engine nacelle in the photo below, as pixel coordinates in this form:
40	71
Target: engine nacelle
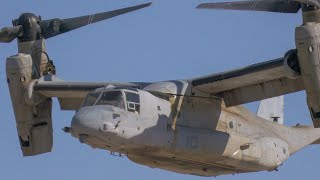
34	122
308	43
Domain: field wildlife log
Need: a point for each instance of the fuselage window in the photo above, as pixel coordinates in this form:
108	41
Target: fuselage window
112	98
91	99
133	102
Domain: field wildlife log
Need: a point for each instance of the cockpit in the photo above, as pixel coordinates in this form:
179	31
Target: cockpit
128	100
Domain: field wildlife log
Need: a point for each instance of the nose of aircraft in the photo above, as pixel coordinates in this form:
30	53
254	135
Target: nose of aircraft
95	122
84	122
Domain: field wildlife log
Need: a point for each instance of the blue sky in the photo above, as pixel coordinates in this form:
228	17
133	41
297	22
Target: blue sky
170	40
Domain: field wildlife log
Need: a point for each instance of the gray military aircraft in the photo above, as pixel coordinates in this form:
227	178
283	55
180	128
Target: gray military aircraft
193	126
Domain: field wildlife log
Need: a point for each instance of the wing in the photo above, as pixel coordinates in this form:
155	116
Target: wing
251	83
72	94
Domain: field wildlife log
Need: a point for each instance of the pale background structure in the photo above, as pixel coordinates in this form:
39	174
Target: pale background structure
170	40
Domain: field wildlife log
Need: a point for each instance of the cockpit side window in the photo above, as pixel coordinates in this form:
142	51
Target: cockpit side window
91	99
133	102
112	98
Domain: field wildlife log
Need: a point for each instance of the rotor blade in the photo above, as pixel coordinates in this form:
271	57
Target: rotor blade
54	27
8	34
282	6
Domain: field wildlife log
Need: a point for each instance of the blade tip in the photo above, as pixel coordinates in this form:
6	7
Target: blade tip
146	4
202	6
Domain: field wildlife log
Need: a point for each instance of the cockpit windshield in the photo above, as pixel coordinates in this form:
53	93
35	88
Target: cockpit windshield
125	100
112	98
91	99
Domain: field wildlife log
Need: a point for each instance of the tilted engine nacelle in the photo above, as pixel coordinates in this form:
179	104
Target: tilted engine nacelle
33	114
308	43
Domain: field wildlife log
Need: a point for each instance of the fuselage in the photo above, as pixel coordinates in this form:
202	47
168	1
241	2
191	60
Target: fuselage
184	134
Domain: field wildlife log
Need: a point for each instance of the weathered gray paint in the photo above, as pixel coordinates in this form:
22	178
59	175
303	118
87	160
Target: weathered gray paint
307	42
203	141
184	126
33	116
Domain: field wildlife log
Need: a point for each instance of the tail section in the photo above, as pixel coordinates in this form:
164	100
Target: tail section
272	109
299	137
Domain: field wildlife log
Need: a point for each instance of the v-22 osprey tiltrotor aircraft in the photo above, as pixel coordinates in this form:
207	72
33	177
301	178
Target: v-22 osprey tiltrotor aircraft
193	126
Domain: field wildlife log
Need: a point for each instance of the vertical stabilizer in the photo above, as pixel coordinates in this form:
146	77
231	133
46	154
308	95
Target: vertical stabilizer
272	109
